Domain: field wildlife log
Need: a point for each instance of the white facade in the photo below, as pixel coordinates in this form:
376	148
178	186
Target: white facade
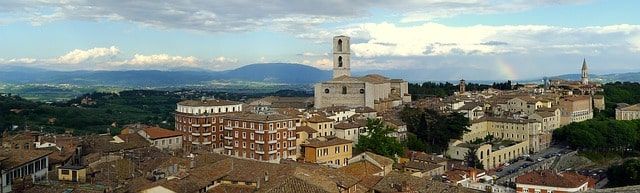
198	110
36	169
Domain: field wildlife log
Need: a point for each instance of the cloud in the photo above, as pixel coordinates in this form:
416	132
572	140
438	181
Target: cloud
433	39
77	56
18	61
279	15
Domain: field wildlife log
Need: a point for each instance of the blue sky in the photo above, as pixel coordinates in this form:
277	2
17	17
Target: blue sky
475	39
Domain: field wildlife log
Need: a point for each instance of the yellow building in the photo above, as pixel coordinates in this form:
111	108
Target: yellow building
627	112
509	129
491	155
327	150
72	173
322	124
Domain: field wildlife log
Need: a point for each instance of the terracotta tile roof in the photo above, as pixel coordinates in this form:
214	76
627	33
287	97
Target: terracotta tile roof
425	157
103	144
159	133
365	110
423	166
551	179
326	142
18	157
361	169
319	119
232	188
207	103
348	125
306	129
635	107
380	159
402	182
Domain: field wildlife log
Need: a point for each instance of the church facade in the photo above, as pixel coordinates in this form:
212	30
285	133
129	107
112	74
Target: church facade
374	91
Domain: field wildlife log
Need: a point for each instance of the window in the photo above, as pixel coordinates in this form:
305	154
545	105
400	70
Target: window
344	90
236	134
235	144
326	90
251	145
339	45
65	172
339	61
251	136
362	91
244	135
244	144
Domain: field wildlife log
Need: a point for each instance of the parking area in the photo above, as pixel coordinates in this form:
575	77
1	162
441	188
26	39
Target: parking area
524	162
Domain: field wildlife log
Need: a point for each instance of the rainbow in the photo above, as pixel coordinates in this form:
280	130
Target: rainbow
506	69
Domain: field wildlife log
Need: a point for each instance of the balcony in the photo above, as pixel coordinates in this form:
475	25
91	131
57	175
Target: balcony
291	128
260	131
273	151
272	141
259	151
206	143
228	147
273	131
291	138
206	125
292	148
195	125
228	137
260	142
195	143
228	128
195	134
206	134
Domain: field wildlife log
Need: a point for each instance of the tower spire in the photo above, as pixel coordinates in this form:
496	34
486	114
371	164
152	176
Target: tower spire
584	78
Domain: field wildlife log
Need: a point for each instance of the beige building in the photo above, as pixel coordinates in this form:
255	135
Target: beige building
491	155
598	102
327	150
162	138
72	173
320	123
521	130
260	137
374	91
575	108
627	112
350	130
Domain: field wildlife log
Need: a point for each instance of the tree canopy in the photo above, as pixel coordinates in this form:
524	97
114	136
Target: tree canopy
626	174
600	134
378	140
433	128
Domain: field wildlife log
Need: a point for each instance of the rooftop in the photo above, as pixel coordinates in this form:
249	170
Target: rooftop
552	179
159	133
326	142
18	157
207	103
319	119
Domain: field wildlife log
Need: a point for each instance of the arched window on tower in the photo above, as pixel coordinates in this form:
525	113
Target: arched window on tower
344	90
339	61
339	45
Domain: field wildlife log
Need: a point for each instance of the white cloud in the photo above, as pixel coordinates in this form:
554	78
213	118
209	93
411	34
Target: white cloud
18	61
280	15
161	59
77	56
433	39
635	44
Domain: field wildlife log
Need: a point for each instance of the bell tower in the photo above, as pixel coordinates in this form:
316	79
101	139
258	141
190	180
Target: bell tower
341	56
584	78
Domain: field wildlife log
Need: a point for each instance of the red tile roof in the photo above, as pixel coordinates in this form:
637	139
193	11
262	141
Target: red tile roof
159	133
552	179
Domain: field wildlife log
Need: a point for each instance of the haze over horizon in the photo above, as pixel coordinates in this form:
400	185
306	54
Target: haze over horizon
447	40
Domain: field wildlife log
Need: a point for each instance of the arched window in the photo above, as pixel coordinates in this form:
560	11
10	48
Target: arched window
344	90
339	61
326	90
339	45
362	91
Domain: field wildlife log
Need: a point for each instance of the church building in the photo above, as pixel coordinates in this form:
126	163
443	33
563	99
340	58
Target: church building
373	90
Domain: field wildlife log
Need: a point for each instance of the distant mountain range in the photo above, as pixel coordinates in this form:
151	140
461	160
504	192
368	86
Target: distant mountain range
270	72
604	78
285	73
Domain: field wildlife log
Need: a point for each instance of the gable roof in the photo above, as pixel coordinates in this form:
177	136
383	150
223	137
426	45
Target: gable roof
552	179
159	133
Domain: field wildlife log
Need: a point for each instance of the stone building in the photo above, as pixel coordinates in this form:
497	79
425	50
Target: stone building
575	108
627	112
374	91
327	150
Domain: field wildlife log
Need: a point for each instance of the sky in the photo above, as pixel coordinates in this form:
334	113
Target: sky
443	40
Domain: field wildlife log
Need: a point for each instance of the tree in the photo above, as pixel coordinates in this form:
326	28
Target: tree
626	174
413	143
377	140
471	158
433	128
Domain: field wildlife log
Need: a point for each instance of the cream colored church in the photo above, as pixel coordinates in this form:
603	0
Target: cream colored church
374	91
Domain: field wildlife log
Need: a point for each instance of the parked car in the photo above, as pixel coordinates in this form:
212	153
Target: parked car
540	159
529	159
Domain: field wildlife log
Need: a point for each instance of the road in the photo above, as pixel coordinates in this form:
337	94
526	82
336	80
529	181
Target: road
516	166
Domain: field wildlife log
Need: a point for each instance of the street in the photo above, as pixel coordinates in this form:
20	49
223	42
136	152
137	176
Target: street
519	163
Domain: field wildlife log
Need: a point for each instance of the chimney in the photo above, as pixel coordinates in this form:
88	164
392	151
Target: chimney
266	176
